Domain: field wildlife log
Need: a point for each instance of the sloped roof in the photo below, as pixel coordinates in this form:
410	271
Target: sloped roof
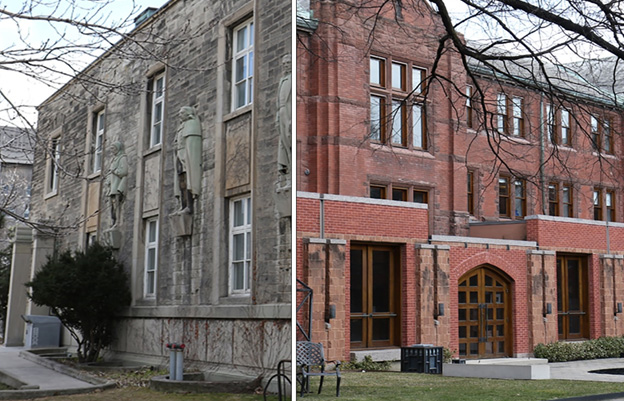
16	145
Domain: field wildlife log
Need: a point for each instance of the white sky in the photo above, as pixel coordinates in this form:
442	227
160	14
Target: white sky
26	92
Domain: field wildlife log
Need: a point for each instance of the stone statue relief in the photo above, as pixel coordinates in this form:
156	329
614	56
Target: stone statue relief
117	173
188	145
284	119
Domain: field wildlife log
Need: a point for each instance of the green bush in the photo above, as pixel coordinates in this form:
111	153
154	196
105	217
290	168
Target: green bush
603	347
87	291
366	364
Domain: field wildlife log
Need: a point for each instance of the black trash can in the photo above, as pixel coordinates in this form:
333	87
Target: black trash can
422	358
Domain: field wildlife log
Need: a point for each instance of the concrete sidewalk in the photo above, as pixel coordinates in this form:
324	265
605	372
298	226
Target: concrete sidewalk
40	378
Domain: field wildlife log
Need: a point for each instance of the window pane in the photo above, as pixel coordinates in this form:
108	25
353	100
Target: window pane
248	246
160	84
251	34
238	245
376	103
375	71
150	283
151	259
241	68
152	232
240	94
417	77
239	218
239	275
417	129
398	76
397	122
248	203
241	36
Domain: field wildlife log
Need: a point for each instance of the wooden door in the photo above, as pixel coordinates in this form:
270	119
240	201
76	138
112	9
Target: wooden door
484	314
572	302
374	297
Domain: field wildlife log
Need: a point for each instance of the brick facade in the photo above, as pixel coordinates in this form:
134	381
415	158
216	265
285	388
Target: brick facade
341	160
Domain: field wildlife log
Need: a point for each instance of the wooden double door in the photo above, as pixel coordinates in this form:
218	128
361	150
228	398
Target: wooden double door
484	314
375	296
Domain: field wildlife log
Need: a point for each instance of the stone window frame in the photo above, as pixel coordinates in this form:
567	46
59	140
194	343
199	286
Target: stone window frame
157	98
405	101
246	54
244	229
150	274
53	160
97	143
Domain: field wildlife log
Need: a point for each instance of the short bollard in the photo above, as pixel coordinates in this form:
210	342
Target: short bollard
176	361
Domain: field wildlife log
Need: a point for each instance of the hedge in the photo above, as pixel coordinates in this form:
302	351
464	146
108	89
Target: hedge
603	347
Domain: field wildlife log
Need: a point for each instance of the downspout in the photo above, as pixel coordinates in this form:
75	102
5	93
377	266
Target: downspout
322	216
541	165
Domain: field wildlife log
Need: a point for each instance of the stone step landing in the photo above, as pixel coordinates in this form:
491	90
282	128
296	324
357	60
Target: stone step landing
505	368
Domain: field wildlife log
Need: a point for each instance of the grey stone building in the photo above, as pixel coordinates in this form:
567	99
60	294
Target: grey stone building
170	149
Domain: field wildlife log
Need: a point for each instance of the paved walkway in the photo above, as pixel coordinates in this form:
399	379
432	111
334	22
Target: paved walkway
33	374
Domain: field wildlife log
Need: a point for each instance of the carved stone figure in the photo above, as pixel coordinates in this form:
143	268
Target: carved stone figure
117	174
188	144
284	117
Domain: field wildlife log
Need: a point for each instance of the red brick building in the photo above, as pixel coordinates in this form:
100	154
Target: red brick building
428	213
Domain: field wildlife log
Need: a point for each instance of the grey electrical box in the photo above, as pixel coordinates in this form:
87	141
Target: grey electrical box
42	331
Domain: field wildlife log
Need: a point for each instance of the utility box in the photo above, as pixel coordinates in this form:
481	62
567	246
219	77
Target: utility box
422	358
42	331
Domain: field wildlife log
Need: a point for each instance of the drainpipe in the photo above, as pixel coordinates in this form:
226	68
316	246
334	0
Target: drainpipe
541	166
322	216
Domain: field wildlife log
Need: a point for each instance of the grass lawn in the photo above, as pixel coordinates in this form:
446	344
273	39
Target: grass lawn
145	394
391	386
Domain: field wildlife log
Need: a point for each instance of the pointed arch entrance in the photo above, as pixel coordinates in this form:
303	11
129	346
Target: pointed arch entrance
484	314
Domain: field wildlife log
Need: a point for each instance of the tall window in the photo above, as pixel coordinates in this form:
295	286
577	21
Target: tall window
151	257
469	108
396	103
567	201
504	197
518	119
565	128
607	136
240	245
519	198
610	205
553	199
470	192
551	126
597	204
242	65
501	111
53	165
595	133
98	139
158	109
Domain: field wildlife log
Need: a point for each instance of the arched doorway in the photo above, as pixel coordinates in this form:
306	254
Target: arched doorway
484	314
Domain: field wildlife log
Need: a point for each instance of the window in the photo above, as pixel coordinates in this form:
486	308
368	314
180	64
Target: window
567	201
91	238
151	257
501	111
597	204
519	198
377	192
503	197
397	112
565	128
399	194
551	125
470	192
240	245
518	120
469	108
158	110
608	137
610	205
553	199
242	65
98	138
595	134
421	196
53	166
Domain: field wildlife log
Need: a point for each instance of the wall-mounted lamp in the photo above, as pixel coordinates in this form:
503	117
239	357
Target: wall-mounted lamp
331	313
440	310
548	309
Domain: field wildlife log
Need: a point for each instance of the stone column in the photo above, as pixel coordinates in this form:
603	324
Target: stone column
335	298
314	260
611	292
541	291
425	289
43	246
20	274
442	296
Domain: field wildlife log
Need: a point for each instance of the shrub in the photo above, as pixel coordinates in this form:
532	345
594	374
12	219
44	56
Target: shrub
366	364
86	290
603	347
